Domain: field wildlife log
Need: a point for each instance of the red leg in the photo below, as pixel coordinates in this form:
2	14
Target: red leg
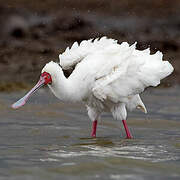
94	126
128	134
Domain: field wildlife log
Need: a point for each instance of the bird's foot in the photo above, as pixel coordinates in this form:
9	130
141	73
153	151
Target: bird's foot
129	137
93	135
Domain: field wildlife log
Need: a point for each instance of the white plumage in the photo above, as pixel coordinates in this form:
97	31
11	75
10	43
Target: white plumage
107	76
78	52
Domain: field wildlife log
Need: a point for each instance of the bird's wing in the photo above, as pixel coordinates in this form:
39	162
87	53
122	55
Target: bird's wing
128	71
78	52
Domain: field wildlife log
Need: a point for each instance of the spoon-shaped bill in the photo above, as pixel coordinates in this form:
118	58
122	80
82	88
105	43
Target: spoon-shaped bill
24	99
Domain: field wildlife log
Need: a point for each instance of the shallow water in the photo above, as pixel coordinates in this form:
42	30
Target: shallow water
47	139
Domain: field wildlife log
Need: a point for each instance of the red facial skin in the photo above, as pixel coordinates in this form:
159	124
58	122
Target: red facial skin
47	77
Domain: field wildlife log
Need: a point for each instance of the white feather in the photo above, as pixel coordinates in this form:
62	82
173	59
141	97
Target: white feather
67	50
108	76
73	56
75	45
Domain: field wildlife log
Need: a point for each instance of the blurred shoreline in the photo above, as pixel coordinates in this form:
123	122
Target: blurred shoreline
34	33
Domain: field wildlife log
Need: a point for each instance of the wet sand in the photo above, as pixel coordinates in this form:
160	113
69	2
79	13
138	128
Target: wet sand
47	139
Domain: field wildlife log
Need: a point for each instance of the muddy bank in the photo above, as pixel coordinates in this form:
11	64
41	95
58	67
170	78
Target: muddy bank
34	33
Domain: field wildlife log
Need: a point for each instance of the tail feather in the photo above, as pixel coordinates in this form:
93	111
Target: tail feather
136	102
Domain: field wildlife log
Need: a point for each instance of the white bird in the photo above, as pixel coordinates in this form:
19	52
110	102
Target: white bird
105	76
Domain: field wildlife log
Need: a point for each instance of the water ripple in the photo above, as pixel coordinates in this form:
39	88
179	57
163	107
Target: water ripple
158	153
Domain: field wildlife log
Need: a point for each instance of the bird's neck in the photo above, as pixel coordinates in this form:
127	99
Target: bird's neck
63	88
